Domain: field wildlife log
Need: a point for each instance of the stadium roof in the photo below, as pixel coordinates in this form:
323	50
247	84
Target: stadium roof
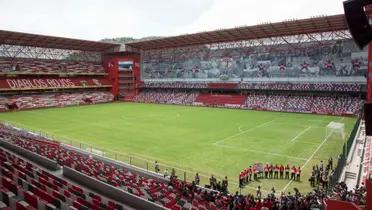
285	28
36	40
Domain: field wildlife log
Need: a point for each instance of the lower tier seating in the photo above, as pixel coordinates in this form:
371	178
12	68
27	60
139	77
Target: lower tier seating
310	103
54	100
26	186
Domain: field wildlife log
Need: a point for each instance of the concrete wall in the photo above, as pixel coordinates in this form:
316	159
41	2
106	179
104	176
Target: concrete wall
43	161
110	191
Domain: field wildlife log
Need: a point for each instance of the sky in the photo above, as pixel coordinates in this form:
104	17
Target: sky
98	19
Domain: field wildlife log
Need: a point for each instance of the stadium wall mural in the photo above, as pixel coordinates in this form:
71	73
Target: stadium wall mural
46	83
338	58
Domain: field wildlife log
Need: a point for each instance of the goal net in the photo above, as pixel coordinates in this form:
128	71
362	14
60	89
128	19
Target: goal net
335	130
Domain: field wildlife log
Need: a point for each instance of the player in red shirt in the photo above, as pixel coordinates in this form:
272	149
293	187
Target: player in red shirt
266	170
293	174
281	171
298	173
287	171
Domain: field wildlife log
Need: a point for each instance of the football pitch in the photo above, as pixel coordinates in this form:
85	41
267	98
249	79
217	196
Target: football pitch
194	139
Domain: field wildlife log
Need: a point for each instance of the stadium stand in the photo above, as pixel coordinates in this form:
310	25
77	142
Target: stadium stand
339	58
305	103
173	195
48	66
26	186
166	97
20	102
339	87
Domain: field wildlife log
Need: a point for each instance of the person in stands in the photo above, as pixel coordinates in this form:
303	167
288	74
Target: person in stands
225	184
281	171
197	179
287	171
258	192
330	163
166	173
213	182
157	167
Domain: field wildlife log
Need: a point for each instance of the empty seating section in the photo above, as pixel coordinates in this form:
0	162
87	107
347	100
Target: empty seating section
333	59
340	87
25	186
166	97
54	100
305	103
223	99
47	66
154	190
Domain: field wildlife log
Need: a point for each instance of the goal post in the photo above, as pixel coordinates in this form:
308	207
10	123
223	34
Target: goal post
335	130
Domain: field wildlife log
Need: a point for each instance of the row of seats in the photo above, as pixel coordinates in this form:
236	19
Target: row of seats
346	87
26	186
54	100
48	66
153	190
307	103
166	97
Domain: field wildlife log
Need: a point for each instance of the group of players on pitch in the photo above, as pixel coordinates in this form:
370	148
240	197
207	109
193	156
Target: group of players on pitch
269	172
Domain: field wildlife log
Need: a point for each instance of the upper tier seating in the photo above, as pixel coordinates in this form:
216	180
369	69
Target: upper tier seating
47	66
54	100
345	87
26	186
338	58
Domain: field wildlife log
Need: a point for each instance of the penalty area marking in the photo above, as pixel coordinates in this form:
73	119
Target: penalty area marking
300	134
243	132
260	152
308	160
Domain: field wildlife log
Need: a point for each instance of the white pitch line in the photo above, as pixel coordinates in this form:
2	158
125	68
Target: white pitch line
300	134
260	152
308	160
244	131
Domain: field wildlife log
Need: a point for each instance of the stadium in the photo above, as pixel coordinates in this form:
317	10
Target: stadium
267	116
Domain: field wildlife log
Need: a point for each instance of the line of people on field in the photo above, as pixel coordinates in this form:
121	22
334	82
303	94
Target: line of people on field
269	171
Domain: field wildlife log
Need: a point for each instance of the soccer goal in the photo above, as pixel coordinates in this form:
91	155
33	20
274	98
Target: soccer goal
335	130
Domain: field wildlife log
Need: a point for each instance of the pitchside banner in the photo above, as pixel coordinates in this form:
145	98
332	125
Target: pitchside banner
45	83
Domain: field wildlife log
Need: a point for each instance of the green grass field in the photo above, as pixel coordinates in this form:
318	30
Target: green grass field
207	140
